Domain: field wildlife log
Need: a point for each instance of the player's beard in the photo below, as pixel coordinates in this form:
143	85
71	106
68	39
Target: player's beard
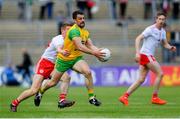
82	25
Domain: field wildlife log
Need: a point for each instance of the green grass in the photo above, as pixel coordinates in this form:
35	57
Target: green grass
140	105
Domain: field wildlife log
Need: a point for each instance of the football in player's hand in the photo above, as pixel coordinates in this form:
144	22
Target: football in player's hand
107	55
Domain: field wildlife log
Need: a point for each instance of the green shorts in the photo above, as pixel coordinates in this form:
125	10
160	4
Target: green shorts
63	66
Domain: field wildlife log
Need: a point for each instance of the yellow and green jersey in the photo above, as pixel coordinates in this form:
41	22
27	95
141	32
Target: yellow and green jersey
74	31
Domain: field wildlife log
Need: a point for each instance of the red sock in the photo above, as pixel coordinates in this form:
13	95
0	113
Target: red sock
126	94
62	97
155	95
15	102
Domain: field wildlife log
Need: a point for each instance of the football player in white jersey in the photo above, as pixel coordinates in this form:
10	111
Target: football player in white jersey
152	36
44	69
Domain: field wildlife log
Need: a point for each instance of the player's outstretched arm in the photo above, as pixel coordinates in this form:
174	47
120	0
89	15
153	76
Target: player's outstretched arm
83	48
90	45
168	46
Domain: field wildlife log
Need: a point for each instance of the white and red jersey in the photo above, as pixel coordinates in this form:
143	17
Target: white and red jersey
152	38
51	51
45	65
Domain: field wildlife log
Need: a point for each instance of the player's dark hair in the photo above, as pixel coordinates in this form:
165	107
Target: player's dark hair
160	13
75	13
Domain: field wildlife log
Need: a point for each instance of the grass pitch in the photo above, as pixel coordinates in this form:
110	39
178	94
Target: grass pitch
140	105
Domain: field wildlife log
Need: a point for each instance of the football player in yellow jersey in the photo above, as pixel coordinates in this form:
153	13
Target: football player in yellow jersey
77	41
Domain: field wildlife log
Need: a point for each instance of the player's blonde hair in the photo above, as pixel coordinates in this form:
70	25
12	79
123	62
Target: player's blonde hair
66	23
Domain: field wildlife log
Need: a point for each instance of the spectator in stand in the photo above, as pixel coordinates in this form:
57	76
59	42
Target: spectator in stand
8	76
147	9
25	66
42	9
175	9
166	6
122	11
86	5
90	4
49	6
113	9
21	6
122	8
81	5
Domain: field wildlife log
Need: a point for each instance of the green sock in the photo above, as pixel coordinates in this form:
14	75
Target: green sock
91	93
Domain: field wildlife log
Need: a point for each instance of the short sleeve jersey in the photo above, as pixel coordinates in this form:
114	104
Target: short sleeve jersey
152	38
51	51
74	31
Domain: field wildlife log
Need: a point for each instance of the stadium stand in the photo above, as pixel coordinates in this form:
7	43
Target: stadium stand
16	34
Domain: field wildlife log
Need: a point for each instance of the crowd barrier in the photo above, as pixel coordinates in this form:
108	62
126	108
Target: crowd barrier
122	76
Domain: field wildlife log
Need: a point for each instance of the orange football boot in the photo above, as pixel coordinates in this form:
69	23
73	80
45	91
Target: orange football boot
158	101
123	99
